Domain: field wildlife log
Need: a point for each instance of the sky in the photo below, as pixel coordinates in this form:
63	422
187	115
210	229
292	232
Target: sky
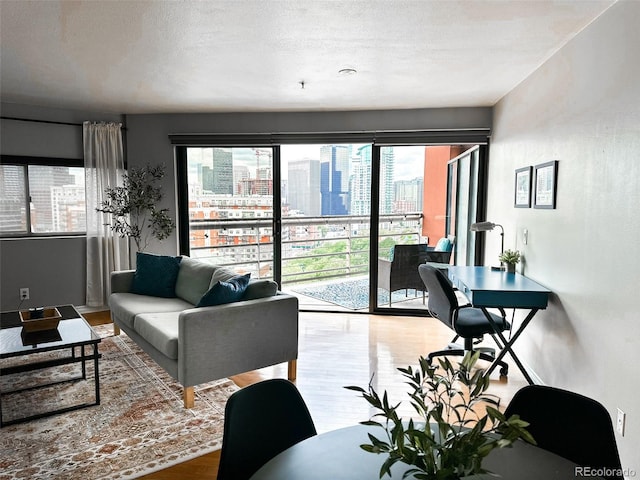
409	160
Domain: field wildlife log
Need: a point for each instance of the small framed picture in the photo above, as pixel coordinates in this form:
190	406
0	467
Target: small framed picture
545	181
523	188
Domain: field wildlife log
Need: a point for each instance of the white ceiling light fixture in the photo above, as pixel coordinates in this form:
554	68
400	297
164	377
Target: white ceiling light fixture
345	72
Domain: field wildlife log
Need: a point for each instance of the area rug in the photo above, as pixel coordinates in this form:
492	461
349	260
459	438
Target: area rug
140	426
353	294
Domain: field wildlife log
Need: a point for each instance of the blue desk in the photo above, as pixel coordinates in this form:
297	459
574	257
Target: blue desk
487	288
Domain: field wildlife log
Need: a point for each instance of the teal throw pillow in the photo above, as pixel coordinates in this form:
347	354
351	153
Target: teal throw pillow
228	291
155	275
443	245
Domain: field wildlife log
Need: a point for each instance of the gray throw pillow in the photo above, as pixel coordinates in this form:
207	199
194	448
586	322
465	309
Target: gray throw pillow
221	274
260	289
194	279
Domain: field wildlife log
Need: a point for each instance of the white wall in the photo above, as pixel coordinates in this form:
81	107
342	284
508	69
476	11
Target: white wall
582	108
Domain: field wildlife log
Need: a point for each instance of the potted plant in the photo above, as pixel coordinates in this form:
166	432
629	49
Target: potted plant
510	258
133	207
459	423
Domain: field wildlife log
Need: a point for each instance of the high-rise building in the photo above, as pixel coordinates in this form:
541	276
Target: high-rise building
408	196
360	182
218	178
68	208
304	186
387	160
240	173
334	179
13	217
41	181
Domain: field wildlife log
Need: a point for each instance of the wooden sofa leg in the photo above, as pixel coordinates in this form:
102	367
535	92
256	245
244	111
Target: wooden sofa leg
292	370
188	397
116	330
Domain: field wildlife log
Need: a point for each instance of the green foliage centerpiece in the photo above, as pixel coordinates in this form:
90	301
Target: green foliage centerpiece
453	436
133	207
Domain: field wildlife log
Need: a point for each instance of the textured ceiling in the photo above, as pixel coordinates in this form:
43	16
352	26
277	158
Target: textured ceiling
157	56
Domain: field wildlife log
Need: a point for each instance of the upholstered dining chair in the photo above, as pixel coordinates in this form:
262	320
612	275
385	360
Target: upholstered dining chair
571	425
466	321
260	421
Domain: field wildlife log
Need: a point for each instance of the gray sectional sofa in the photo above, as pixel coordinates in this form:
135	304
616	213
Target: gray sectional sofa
200	344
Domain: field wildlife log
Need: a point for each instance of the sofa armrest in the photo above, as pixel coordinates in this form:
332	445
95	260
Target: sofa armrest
225	340
121	281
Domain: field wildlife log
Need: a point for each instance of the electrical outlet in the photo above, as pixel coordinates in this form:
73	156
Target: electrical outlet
24	294
620	422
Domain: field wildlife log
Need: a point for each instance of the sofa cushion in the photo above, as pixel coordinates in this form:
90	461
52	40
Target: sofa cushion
260	289
125	306
155	275
160	330
194	279
225	292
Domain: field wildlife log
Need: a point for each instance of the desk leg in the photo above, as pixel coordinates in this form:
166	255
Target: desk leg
509	344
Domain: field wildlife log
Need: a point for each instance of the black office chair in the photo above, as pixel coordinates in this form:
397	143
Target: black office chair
468	322
568	424
260	421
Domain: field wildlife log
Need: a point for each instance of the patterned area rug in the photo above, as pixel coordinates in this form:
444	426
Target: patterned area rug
353	294
139	427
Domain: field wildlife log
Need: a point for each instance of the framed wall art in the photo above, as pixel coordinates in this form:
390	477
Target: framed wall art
545	185
523	188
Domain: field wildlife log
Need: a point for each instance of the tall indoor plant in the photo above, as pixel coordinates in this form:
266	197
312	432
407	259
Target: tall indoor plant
134	207
459	422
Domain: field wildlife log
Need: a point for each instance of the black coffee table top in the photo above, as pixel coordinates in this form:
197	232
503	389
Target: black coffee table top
72	330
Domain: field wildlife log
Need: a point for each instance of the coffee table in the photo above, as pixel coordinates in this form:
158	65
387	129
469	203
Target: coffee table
73	334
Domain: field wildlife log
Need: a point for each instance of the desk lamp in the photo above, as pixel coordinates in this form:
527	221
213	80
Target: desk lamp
487	227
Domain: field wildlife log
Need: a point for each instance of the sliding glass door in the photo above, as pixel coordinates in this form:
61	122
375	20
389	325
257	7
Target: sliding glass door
427	196
230	207
324	219
326	208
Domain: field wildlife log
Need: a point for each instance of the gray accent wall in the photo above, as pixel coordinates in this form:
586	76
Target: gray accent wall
53	268
582	108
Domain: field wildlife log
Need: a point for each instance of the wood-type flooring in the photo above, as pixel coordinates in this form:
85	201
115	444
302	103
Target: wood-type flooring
340	349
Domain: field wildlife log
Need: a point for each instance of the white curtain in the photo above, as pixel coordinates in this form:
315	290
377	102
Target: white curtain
104	167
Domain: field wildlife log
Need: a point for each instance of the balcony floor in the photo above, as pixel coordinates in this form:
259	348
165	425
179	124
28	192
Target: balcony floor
336	295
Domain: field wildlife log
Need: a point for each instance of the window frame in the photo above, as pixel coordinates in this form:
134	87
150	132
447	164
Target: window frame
25	162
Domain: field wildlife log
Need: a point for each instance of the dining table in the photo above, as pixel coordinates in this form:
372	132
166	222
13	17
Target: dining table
336	455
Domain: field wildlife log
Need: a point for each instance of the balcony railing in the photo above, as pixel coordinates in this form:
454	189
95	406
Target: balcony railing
313	248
